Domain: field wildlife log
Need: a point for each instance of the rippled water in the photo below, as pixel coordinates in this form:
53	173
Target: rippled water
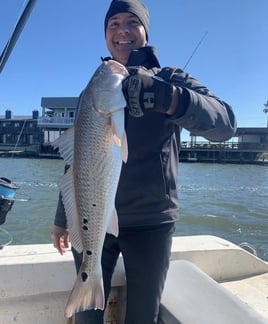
31	217
227	200
230	201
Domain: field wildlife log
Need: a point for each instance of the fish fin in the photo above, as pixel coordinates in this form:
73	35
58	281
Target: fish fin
68	198
86	294
117	140
113	224
118	125
65	145
119	133
124	147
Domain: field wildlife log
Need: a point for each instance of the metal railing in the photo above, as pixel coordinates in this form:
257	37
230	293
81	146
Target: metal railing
223	146
42	121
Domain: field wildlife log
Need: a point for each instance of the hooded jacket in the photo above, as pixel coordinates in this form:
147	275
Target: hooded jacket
147	190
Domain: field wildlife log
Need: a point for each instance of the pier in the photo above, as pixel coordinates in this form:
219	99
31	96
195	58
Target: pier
226	152
249	145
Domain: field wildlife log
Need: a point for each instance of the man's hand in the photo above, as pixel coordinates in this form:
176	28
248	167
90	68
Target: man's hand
146	92
60	239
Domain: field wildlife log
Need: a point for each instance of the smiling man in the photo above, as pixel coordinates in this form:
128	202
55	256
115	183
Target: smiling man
124	33
160	101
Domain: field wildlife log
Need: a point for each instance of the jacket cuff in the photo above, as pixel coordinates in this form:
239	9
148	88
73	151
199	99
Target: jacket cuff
184	100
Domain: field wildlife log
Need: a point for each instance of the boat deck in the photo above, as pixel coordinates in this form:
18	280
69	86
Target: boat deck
253	291
36	282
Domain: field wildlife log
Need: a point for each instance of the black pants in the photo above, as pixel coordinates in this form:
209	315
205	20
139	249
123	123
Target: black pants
146	253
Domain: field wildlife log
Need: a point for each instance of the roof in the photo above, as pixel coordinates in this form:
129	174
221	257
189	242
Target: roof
59	102
251	131
16	118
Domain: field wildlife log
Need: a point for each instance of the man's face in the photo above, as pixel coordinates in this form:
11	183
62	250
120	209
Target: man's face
124	33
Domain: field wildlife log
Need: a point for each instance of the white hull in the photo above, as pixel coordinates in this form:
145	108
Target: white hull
210	280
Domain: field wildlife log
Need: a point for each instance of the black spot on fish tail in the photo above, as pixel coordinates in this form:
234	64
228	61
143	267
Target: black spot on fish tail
85	221
84	276
85	228
94	205
89	252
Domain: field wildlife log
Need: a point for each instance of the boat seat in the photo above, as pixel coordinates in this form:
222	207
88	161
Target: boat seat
190	296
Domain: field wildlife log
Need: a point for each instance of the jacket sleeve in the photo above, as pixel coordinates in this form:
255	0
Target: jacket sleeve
60	216
200	111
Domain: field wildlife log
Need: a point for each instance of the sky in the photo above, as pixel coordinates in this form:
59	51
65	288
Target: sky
62	42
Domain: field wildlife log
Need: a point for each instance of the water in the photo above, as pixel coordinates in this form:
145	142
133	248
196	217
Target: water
31	217
230	201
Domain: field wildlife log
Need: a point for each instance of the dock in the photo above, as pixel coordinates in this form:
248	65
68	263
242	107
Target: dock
226	152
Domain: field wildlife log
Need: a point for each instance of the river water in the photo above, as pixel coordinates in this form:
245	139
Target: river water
227	200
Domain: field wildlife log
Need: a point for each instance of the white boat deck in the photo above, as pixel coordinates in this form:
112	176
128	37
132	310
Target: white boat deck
253	291
238	271
36	280
197	298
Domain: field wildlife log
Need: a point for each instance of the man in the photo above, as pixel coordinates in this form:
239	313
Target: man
160	101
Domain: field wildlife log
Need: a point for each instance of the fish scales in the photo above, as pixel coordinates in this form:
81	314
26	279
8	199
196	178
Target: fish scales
89	186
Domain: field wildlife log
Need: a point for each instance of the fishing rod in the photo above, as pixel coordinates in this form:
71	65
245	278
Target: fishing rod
195	49
16	33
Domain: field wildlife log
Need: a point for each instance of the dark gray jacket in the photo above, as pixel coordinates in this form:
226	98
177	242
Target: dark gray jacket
147	190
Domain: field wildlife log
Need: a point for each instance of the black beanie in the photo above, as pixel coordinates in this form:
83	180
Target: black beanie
135	7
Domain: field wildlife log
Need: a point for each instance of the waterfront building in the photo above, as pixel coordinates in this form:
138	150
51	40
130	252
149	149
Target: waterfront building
249	145
20	134
37	133
58	114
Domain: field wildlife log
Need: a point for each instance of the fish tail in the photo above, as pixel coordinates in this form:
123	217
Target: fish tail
86	294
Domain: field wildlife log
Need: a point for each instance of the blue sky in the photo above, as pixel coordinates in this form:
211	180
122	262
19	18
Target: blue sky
63	40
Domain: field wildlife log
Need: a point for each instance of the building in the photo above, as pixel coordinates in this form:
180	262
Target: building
58	114
249	145
34	136
20	134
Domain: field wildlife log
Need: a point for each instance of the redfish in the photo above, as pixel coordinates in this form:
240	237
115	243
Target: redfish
94	148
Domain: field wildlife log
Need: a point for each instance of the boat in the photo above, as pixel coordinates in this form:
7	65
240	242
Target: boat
7	194
210	281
